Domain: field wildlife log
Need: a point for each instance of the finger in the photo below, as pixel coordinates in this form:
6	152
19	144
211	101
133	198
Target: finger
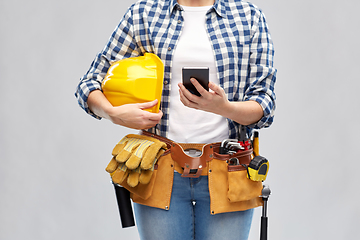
186	101
198	87
155	116
148	124
152	119
186	93
217	89
148	104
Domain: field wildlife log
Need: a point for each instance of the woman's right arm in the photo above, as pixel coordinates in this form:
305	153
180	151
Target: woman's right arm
129	115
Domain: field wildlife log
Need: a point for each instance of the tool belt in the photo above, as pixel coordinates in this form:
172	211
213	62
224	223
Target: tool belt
193	167
229	186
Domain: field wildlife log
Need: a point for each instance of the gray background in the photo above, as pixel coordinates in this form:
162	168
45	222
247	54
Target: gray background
52	179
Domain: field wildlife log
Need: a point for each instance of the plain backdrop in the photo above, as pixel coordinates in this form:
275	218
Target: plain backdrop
52	155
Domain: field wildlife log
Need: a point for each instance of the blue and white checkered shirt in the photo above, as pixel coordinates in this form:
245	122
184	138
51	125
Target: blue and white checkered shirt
241	43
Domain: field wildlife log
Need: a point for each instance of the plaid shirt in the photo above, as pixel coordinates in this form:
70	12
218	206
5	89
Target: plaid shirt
241	43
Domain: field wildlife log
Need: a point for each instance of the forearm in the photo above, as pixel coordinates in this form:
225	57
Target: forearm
244	113
98	104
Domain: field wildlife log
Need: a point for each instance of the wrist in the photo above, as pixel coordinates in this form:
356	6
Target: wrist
114	114
227	109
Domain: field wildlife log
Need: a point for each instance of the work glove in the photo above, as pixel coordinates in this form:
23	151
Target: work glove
134	158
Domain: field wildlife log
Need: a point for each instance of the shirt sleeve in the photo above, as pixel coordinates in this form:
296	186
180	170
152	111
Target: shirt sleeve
121	45
262	74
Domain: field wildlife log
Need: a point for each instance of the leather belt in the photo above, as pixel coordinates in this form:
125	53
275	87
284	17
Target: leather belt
195	166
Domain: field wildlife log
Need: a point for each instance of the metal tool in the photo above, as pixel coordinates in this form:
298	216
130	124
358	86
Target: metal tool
264	219
244	141
223	147
234	161
235	146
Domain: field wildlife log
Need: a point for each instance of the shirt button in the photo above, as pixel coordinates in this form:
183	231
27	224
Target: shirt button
169	48
166	82
179	21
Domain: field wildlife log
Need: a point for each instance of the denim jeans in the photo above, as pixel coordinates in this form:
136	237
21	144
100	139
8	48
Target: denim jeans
189	216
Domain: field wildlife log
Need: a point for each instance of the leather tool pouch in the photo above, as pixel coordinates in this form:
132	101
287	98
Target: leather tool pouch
240	187
144	150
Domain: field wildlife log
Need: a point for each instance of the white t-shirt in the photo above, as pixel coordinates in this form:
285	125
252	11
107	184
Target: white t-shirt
188	125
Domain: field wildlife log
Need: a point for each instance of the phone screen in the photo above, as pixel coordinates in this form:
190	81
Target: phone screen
201	74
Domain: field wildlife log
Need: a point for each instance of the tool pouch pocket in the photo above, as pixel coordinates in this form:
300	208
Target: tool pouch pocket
135	159
241	188
157	193
144	191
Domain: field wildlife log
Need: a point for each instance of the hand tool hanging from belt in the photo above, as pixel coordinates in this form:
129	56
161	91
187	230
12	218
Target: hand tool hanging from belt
257	169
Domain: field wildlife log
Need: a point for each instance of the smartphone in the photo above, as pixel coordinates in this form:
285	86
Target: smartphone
201	74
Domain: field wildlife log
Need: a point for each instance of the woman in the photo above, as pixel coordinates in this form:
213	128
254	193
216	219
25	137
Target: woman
232	39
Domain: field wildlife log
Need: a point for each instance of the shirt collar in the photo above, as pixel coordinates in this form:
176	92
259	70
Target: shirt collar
173	5
219	7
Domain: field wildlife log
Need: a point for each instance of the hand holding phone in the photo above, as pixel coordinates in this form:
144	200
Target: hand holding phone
201	74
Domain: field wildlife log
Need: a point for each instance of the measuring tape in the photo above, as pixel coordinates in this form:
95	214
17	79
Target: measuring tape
258	169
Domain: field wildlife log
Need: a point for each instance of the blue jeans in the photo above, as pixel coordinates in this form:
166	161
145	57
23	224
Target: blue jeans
189	216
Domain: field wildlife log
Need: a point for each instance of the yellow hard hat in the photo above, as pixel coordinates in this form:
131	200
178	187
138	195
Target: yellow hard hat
135	80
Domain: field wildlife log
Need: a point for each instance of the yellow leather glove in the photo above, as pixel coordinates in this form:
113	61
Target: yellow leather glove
134	158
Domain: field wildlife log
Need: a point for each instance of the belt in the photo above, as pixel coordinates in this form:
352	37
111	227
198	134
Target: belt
190	166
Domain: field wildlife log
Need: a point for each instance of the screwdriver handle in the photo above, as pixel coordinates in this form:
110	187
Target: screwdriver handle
256	144
242	133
